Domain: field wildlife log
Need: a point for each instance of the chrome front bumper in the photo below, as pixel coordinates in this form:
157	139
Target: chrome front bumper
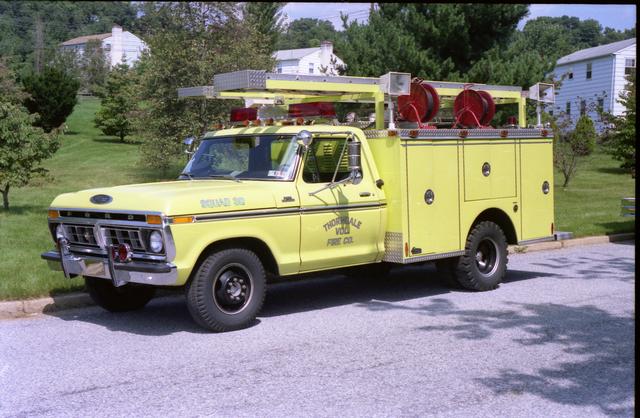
157	274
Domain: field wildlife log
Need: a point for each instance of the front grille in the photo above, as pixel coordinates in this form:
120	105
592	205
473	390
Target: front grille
131	236
81	235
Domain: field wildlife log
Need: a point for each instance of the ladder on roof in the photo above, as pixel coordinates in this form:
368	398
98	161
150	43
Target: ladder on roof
263	87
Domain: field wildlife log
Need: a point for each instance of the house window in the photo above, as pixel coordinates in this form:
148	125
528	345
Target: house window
310	68
588	71
600	105
583	107
568	108
279	68
629	66
570	75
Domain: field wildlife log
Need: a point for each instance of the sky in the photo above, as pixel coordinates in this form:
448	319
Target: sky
616	16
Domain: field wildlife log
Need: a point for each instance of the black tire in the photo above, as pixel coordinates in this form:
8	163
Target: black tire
484	264
118	299
221	278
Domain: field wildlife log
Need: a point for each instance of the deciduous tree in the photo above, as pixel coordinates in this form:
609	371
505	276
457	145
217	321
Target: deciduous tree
620	139
190	42
22	146
307	33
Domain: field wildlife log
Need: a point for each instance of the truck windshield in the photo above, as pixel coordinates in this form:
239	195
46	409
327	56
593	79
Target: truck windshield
263	157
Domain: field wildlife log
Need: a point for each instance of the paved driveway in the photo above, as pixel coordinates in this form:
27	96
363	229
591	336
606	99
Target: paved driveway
556	339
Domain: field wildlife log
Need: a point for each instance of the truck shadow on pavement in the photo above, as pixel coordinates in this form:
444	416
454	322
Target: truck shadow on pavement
168	315
597	266
597	370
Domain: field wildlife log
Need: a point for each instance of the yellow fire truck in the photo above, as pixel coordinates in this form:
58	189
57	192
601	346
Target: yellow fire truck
287	188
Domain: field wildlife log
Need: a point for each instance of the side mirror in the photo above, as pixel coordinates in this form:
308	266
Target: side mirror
189	143
354	150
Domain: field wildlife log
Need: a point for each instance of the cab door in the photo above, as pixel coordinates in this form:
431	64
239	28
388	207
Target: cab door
339	226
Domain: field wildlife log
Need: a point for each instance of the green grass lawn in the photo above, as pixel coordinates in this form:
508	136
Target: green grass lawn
86	159
589	206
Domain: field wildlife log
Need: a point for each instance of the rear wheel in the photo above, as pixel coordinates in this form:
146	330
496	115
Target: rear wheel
484	263
227	291
118	299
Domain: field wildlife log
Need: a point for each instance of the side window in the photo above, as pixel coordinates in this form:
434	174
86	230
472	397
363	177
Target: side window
629	66
589	70
323	157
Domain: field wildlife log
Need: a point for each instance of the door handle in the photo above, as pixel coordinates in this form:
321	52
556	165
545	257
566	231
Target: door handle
365	194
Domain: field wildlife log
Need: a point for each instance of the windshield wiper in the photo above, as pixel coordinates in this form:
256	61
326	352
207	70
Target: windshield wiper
186	174
224	176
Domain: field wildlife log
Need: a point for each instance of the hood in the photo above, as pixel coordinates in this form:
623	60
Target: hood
184	197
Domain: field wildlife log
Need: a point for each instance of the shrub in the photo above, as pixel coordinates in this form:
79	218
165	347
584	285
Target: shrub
52	97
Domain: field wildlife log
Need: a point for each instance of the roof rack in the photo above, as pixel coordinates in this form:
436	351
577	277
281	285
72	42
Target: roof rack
264	87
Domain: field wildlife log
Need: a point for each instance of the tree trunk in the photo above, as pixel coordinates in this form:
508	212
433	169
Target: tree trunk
5	197
121	136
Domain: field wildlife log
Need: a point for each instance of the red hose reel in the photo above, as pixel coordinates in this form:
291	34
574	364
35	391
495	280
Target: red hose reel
420	105
473	108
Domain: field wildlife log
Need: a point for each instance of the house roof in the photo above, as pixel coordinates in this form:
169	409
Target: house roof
294	54
598	51
84	39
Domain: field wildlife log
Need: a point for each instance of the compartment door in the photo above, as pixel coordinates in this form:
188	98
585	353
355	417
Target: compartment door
537	207
434	227
499	158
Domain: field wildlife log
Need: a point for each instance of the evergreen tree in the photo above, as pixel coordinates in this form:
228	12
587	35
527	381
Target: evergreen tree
52	95
266	19
432	41
93	66
118	102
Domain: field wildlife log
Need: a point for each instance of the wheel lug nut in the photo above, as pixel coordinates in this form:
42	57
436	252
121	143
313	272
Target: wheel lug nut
244	287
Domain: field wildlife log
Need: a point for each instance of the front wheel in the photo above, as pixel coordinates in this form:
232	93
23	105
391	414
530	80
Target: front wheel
118	299
227	291
484	263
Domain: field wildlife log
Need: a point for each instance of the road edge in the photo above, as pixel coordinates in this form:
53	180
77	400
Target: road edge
29	307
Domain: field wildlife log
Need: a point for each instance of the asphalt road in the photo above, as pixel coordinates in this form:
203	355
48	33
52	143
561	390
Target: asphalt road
556	339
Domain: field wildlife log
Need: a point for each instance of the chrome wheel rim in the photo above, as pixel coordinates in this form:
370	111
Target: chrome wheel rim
487	257
232	288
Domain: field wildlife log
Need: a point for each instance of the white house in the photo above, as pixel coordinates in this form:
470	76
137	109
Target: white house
320	60
119	46
594	78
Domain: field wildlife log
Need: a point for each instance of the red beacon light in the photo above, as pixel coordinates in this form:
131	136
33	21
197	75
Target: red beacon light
322	109
241	114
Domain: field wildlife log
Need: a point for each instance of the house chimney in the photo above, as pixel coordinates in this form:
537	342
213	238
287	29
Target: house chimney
326	51
117	49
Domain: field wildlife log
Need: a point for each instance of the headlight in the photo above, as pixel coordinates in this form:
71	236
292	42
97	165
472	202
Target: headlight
155	241
59	232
